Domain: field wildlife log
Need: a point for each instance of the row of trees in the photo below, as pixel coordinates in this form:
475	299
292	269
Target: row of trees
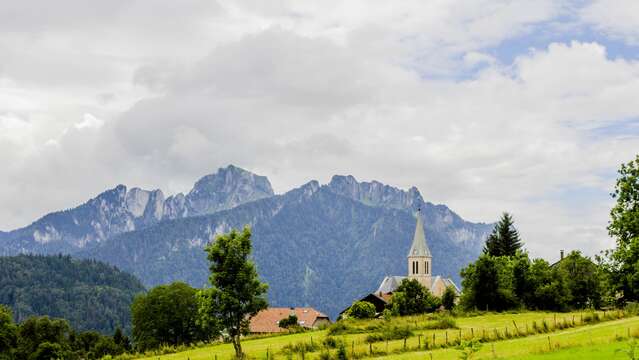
509	282
42	338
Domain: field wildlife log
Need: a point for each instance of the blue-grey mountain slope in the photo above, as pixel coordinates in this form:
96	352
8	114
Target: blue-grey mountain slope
322	246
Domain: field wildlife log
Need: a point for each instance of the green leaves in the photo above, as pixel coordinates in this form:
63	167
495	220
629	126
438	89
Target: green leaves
412	298
624	226
167	314
504	240
236	293
362	310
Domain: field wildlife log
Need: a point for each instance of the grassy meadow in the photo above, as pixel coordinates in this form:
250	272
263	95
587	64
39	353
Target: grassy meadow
534	335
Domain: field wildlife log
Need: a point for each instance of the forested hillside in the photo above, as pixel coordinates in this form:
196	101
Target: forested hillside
90	294
313	245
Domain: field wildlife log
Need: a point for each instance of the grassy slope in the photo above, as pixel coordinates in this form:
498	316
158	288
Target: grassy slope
565	344
256	348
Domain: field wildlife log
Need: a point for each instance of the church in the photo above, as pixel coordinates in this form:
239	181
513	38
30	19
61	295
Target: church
420	265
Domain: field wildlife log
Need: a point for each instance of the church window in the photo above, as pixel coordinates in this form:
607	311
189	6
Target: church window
416	267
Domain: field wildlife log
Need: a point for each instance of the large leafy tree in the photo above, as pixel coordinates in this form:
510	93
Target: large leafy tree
166	315
43	338
236	293
624	227
411	297
584	280
488	284
504	240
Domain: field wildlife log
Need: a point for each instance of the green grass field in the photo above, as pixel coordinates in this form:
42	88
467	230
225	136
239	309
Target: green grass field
507	336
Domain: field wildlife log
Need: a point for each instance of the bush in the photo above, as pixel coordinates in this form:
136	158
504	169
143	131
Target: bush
330	342
342	327
632	308
362	310
291	320
390	333
412	298
448	298
301	347
443	322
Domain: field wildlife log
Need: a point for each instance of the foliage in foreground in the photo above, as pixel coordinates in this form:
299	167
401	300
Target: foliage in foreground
236	293
624	227
362	310
167	314
411	298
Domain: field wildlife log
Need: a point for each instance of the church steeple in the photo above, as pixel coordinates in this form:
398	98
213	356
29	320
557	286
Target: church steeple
419	247
419	257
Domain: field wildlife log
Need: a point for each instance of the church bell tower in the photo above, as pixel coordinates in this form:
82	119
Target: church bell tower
420	261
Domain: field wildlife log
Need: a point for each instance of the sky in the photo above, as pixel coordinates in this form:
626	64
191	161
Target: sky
487	106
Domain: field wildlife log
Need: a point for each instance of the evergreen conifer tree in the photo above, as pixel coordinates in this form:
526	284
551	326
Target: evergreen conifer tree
504	240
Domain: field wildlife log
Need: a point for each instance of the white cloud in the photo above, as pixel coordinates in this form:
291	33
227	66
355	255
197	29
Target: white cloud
619	18
299	91
89	122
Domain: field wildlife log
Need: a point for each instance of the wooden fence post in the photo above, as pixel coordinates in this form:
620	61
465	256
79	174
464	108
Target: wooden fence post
446	332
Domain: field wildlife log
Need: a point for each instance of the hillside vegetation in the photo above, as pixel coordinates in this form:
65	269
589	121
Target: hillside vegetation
91	295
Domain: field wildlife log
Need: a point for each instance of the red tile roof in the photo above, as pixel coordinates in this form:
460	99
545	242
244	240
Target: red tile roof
266	321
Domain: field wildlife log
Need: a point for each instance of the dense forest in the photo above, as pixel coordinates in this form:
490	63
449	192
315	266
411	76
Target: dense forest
91	295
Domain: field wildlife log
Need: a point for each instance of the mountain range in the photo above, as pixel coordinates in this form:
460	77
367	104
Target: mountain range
316	245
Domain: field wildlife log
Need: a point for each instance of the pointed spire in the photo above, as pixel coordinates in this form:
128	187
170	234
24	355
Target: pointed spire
419	247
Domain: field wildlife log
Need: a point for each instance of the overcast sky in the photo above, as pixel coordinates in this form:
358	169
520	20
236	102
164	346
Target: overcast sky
485	106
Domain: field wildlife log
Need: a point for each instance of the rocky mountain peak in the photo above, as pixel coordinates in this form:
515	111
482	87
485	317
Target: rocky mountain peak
225	189
375	193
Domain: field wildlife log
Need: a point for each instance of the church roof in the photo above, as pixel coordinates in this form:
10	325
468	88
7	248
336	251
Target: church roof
389	284
419	247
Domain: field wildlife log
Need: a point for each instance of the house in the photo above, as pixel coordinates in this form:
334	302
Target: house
420	265
267	321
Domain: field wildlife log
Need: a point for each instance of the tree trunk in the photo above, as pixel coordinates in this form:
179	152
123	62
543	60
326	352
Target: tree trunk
238	347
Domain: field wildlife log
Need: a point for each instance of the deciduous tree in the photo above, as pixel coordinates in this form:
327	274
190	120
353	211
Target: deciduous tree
624	227
236	293
167	314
